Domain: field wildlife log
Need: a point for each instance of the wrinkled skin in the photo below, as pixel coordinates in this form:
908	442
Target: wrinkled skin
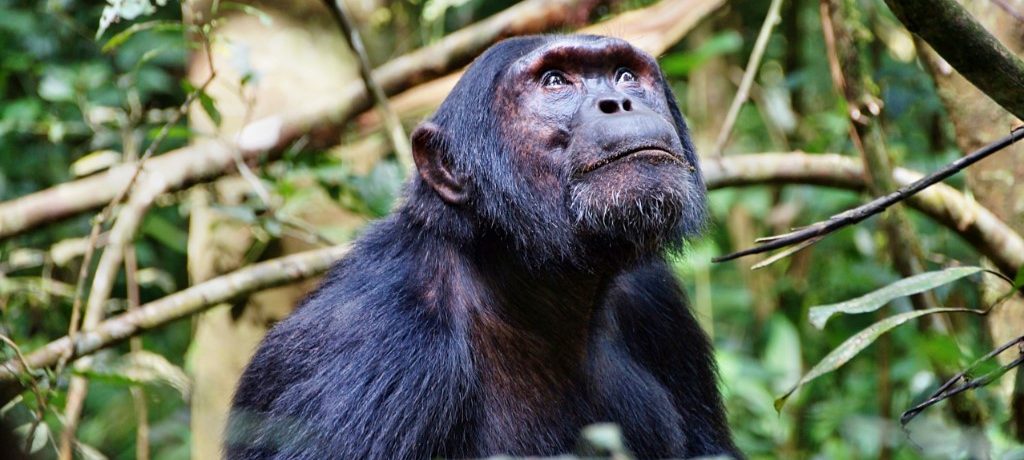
519	293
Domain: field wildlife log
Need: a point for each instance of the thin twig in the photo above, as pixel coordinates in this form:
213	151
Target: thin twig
948	390
878	205
131	269
753	64
394	125
33	384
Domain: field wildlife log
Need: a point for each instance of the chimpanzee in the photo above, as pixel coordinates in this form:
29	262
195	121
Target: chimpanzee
519	292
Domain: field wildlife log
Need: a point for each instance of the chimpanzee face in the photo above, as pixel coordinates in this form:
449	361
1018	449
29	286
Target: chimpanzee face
591	123
571	147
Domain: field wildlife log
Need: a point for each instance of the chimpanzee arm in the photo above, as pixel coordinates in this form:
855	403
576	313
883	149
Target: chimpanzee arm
662	334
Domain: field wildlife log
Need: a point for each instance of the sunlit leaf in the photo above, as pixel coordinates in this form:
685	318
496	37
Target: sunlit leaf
902	288
40	434
94	162
153	276
781	353
263	17
117	10
138	368
854	345
57	85
166	233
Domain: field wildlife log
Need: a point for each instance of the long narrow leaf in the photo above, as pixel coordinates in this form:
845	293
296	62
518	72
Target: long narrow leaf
124	35
853	345
876	299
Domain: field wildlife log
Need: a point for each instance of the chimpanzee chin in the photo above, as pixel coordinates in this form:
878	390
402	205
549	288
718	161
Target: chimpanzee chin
519	292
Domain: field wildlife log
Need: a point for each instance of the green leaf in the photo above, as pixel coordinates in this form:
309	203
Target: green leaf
139	368
94	162
854	345
1019	280
210	107
159	26
165	232
902	288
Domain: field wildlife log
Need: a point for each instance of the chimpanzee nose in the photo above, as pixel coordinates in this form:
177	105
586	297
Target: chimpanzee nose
616	104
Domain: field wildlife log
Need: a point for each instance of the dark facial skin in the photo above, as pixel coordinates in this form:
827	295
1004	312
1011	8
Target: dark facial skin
590	136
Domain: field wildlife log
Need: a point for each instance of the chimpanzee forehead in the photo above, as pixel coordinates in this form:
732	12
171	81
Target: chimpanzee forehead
583	52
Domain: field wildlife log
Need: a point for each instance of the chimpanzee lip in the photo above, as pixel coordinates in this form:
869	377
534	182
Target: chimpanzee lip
649	150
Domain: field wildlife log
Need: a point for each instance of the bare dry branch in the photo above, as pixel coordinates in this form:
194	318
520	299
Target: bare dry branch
193	300
268	137
121	237
858	214
977	225
399	141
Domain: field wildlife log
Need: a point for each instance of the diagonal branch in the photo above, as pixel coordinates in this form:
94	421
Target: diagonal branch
878	205
968	47
966	381
396	133
267	138
770	21
181	304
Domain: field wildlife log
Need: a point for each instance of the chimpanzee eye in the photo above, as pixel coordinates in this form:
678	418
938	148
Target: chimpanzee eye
554	78
624	75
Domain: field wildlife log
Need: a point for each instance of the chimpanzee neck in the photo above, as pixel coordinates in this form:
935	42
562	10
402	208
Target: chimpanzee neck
556	309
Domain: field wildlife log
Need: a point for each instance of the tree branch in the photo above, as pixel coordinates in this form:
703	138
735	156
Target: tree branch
193	300
968	47
121	236
878	205
966	381
268	137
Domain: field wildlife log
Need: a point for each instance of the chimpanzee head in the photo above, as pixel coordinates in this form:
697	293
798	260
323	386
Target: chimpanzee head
565	148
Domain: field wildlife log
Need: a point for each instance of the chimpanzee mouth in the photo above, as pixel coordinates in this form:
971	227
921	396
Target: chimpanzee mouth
654	154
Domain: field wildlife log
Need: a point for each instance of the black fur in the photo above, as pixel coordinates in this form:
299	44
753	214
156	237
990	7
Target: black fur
487	328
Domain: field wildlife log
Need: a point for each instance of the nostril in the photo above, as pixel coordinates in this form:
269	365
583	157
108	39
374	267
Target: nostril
627	105
608	106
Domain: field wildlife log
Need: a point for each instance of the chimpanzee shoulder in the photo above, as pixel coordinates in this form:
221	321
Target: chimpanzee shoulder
360	370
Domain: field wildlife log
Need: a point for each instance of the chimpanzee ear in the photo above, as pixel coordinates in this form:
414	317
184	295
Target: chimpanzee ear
428	151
